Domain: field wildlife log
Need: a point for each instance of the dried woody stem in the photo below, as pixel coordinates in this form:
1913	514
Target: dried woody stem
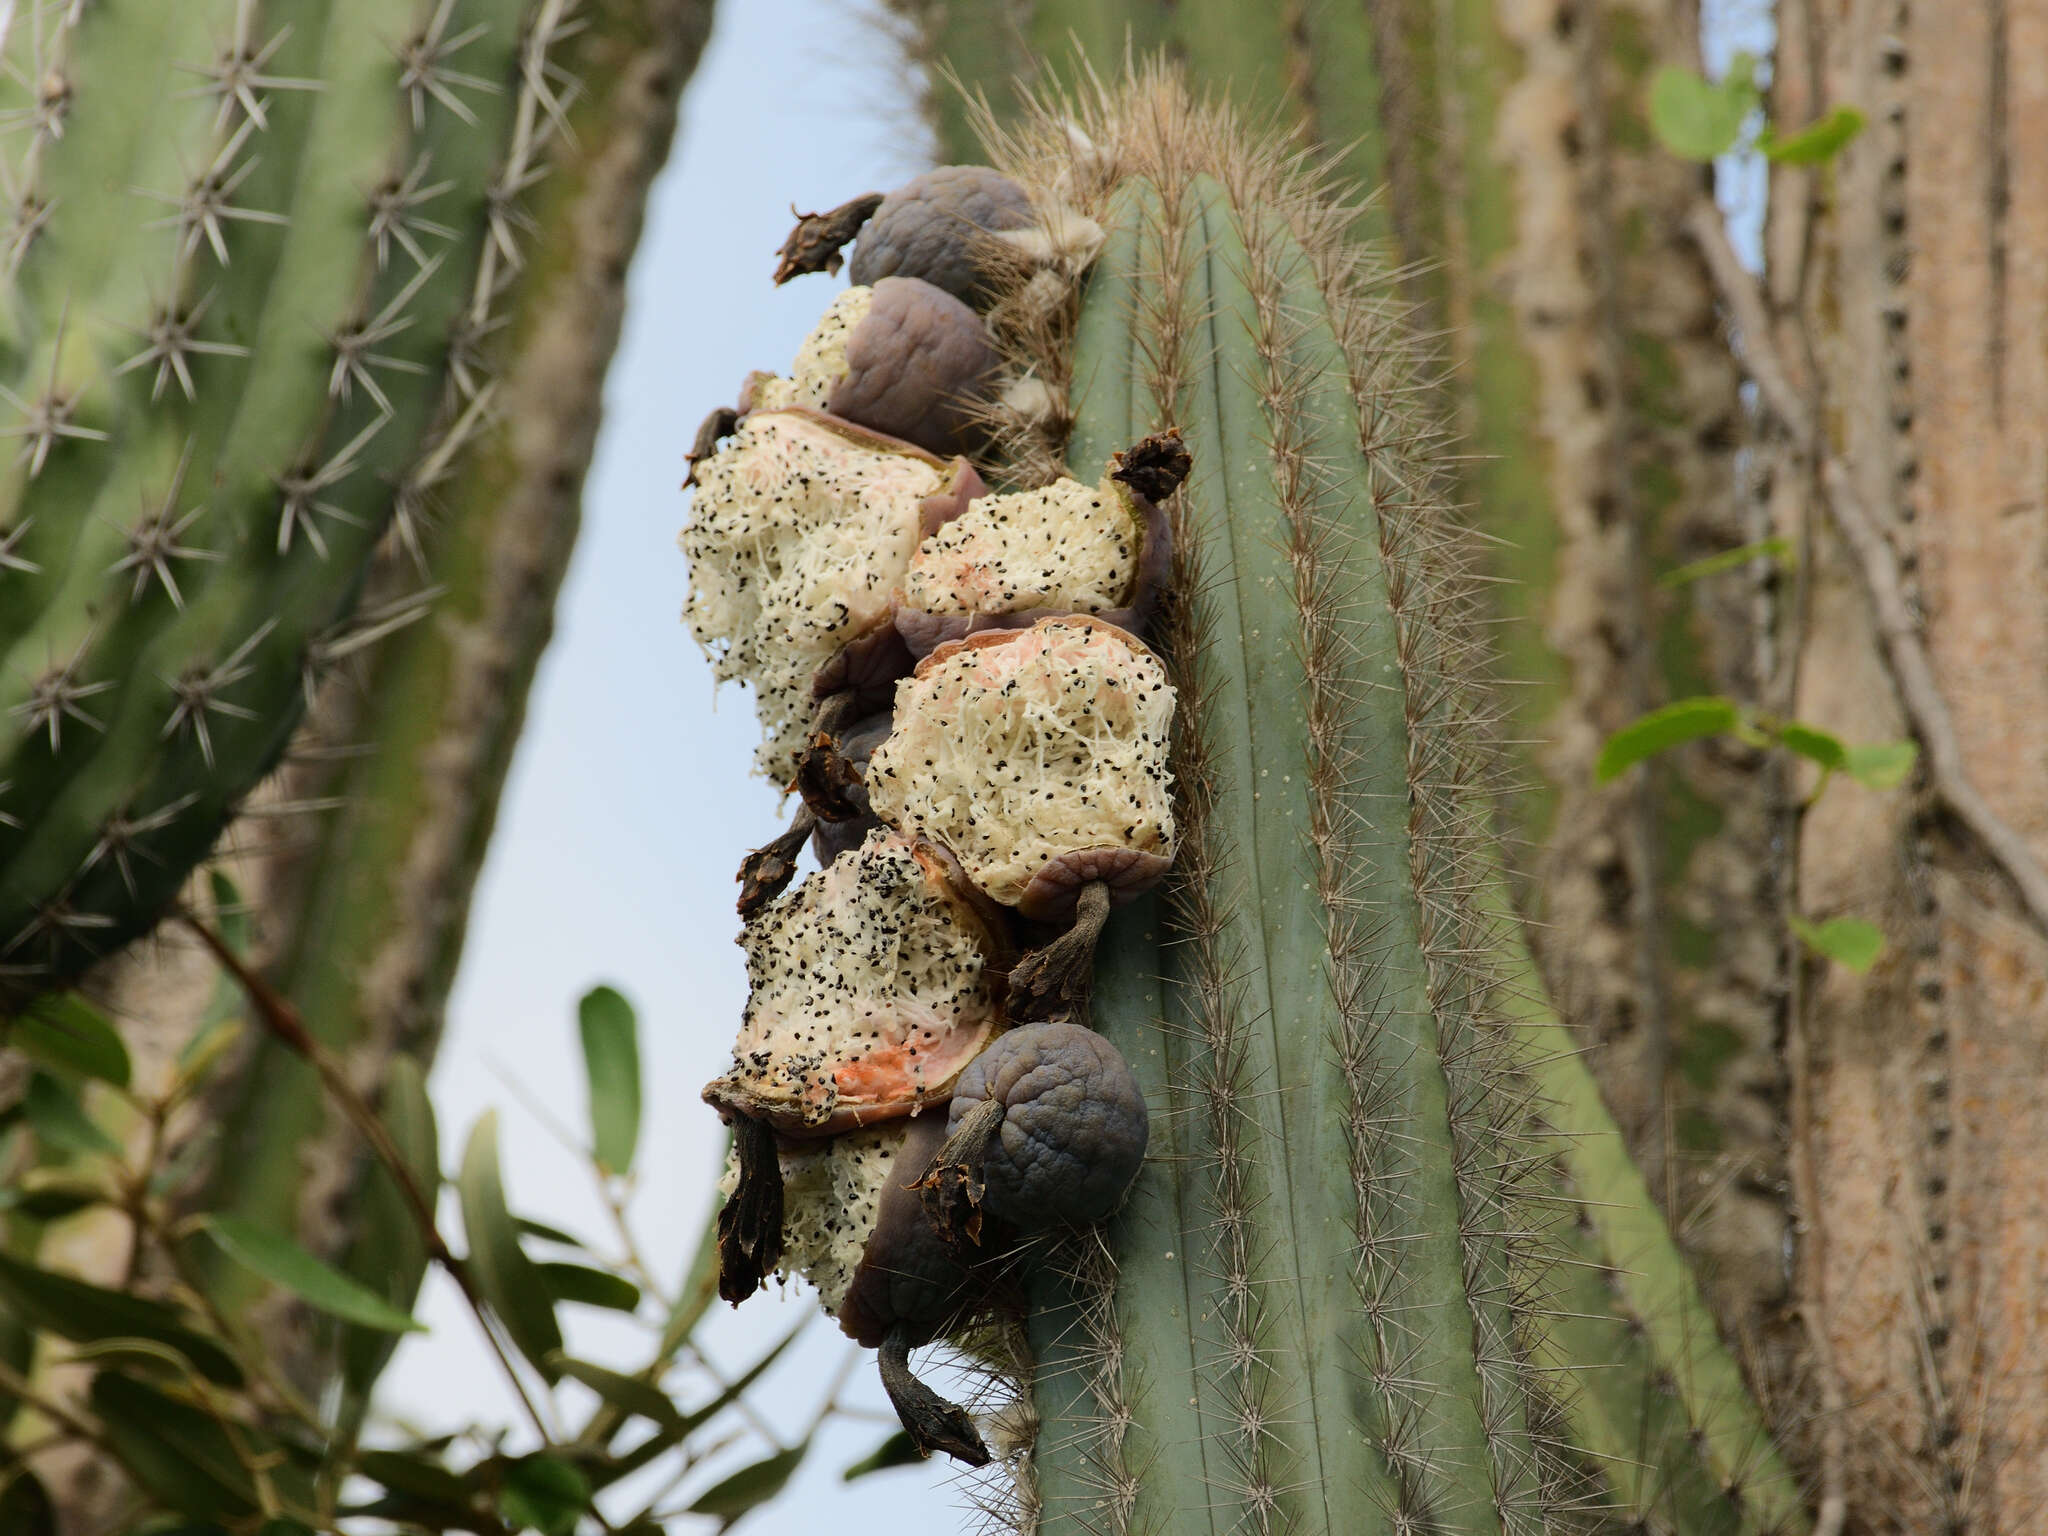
282	1020
1898	630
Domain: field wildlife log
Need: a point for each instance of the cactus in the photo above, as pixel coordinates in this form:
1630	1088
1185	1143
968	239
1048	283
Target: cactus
240	363
1354	1288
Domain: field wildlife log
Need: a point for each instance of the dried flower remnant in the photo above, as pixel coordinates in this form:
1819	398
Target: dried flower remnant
1036	755
899	357
800	530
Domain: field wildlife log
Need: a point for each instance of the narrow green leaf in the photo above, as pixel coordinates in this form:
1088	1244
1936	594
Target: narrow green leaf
1848	941
509	1280
1698	118
230	912
61	1029
389	1255
1814	744
544	1494
700	1280
1882	764
84	1314
411	1473
1774	548
1682	721
60	1121
528	1227
751	1486
611	1058
180	1454
1816	143
674	1434
50	1194
591	1287
283	1262
899	1450
628	1394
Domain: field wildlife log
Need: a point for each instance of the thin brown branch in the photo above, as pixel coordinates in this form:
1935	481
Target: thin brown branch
1898	631
276	1013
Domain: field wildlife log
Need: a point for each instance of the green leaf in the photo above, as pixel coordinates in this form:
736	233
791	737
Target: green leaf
1774	548
61	1029
180	1454
60	1121
1848	941
751	1486
389	1255
25	1507
1816	143
50	1194
673	1434
1814	744
899	1450
230	912
1676	723
283	1262
611	1058
628	1394
700	1281
410	1473
544	1494
528	1227
1698	118
84	1314
591	1287
509	1280
1882	764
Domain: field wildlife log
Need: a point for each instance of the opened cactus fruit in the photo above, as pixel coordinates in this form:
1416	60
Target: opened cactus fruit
1011	559
801	529
899	357
871	986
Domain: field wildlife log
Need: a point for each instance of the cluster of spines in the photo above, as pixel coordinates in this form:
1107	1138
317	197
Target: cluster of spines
205	469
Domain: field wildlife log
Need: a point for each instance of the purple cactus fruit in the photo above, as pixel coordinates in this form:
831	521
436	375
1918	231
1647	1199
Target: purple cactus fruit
900	357
1047	1129
937	227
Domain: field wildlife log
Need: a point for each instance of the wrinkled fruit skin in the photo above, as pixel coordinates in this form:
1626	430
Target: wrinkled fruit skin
1074	1125
916	366
907	1274
932	228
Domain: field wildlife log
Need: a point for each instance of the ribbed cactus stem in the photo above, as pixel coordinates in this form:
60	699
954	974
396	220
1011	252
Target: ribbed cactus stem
255	257
1338	1298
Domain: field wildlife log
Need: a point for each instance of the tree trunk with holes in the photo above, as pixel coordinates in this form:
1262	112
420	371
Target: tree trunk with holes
1908	287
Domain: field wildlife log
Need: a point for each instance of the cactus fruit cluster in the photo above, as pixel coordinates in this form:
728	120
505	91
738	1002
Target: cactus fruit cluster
1374	1273
257	252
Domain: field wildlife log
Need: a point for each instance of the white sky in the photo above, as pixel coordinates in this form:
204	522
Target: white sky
629	805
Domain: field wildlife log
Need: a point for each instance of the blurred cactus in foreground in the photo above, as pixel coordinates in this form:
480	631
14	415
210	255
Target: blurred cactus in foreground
257	258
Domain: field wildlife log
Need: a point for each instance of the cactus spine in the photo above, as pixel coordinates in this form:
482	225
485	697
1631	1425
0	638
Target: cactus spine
250	296
1335	1300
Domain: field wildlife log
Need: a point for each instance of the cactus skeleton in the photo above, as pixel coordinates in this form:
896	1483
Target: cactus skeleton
248	336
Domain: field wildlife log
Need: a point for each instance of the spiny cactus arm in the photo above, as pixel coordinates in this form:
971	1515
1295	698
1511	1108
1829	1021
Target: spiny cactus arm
1630	1296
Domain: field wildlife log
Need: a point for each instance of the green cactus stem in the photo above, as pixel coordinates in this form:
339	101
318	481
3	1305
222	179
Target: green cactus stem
1345	1294
258	248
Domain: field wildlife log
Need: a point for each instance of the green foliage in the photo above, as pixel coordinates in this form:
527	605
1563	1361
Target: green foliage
611	1060
1848	941
180	1394
1660	730
1699	118
1775	548
1816	143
